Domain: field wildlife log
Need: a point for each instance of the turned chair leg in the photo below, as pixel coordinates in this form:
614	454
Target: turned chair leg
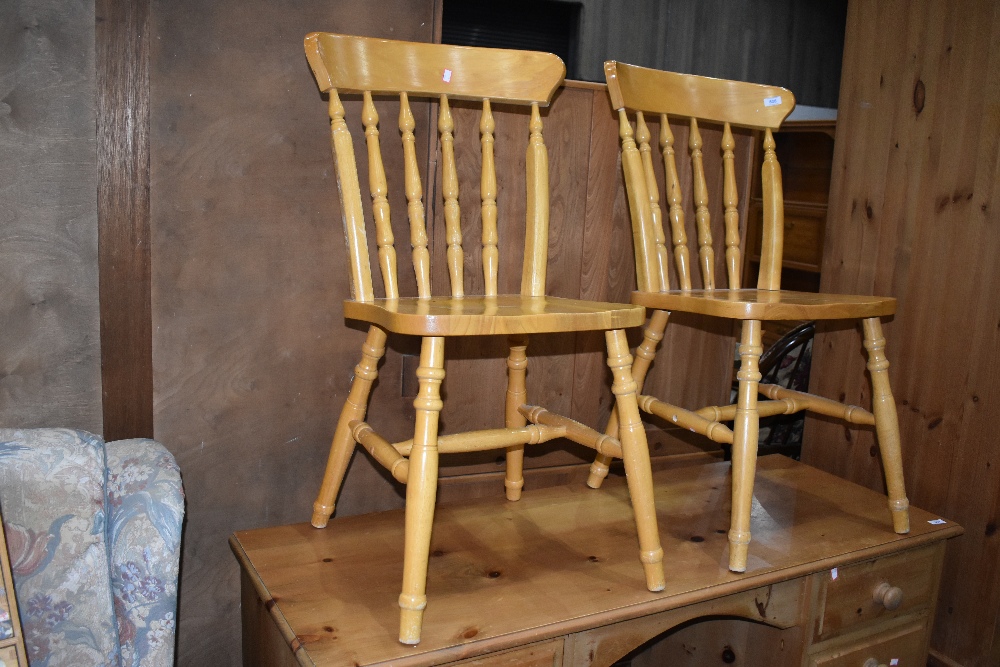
421	490
635	453
886	425
517	395
354	409
644	355
745	428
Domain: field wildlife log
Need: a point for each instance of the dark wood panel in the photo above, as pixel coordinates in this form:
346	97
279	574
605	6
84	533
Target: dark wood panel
49	343
251	356
913	214
122	40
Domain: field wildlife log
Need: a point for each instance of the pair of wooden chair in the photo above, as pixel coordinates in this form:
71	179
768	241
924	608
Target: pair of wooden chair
370	67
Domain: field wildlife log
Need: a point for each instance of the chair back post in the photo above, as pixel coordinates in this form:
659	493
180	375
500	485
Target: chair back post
773	236
536	240
361	65
697	98
350	202
643	236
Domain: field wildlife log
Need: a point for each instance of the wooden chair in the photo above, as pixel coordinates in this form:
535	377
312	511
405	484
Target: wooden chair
344	64
730	103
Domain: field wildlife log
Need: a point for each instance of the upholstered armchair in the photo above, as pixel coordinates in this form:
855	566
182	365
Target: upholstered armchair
93	530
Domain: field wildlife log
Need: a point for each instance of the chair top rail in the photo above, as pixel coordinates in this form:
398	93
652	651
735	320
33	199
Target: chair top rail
365	64
717	100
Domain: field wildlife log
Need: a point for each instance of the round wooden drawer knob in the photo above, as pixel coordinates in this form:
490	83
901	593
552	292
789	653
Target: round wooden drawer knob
888	596
872	662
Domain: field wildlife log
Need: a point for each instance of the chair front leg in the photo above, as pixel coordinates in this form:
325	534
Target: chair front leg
886	425
635	452
644	355
745	428
354	408
421	490
517	395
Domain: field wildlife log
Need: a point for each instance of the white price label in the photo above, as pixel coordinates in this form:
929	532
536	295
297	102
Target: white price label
937	522
772	101
833	574
446	77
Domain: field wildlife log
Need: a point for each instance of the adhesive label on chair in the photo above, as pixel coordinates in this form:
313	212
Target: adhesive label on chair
446	77
937	522
772	101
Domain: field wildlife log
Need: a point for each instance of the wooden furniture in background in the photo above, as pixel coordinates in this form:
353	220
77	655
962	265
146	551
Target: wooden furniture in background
805	149
729	103
915	212
12	652
346	64
549	582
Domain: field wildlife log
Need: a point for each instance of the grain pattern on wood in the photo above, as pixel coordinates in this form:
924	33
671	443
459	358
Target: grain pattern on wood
123	217
915	186
50	368
251	357
503	574
717	100
485	316
358	64
768	304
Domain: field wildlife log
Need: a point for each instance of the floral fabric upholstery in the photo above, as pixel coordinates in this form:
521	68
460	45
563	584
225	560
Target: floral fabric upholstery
93	533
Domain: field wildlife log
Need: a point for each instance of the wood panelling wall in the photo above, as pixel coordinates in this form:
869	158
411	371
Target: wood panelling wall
122	39
251	356
50	372
915	213
779	42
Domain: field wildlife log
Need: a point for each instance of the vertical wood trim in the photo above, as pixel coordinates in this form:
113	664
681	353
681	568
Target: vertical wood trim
123	240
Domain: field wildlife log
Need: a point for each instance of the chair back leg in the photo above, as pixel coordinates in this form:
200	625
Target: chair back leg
635	455
365	374
886	425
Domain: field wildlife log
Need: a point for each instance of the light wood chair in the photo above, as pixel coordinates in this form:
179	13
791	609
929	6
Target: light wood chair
640	91
344	64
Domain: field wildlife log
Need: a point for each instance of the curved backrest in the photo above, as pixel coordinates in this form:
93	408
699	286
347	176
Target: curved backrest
729	103
347	64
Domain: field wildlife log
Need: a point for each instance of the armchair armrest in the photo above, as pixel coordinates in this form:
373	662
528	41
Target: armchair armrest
145	503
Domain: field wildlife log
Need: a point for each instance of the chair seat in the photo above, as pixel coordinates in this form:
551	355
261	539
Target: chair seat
482	315
754	304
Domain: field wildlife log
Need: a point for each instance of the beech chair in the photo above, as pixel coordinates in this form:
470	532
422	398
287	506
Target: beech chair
640	91
344	64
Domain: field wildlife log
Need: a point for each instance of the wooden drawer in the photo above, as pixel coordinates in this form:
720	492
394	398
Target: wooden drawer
905	646
803	239
543	654
848	602
803	236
